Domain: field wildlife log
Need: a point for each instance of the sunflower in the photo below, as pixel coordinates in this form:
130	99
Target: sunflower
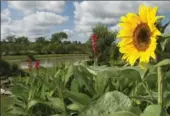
138	35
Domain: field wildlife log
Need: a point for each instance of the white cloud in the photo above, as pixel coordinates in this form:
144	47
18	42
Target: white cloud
44	19
115	28
30	6
5	19
33	25
68	32
89	13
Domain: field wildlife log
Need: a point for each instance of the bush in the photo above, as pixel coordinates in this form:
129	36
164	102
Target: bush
7	70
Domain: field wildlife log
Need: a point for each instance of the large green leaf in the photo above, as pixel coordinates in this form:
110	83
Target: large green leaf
123	113
100	84
165	42
152	110
75	107
163	63
164	26
109	103
17	111
69	73
74	86
142	72
79	98
151	81
32	103
57	103
84	77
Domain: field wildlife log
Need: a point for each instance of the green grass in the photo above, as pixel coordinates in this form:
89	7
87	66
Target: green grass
46	56
42	57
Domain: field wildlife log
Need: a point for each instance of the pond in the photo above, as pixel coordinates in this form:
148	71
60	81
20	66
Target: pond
53	61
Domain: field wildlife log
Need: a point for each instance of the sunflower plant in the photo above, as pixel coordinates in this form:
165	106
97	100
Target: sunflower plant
142	41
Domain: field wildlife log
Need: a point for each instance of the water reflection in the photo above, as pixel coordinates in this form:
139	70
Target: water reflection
52	62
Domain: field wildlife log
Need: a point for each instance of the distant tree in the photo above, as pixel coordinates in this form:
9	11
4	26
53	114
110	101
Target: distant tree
40	40
66	42
58	37
10	38
22	40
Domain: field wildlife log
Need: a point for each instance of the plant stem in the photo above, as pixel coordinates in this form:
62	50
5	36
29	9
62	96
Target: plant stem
95	61
160	88
149	92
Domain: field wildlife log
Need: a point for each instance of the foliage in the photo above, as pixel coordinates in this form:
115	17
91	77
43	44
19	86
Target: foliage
58	37
8	70
85	90
57	44
104	43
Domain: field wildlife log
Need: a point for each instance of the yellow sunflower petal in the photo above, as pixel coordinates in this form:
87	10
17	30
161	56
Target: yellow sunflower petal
131	20
127	48
125	41
124	33
143	13
133	57
153	55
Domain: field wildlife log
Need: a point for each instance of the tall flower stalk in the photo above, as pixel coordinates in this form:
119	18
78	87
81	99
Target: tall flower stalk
160	88
94	46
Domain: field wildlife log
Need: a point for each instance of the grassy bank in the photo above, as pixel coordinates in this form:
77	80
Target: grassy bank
41	57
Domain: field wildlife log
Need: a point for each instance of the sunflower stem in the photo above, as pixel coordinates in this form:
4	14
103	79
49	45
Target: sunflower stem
160	88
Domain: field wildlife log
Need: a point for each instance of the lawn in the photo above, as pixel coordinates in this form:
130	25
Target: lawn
41	57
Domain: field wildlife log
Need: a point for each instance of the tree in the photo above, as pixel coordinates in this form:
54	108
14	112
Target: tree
105	38
58	37
10	38
40	40
22	40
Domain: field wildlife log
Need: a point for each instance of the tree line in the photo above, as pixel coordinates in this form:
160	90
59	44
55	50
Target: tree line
57	44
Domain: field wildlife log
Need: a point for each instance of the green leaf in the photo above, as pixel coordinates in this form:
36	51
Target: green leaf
101	82
18	111
165	42
163	63
164	27
59	115
109	103
123	113
32	103
57	103
152	110
151	81
75	107
136	110
74	86
133	74
80	98
143	72
84	77
69	73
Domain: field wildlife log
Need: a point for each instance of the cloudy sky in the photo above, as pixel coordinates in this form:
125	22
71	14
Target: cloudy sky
43	18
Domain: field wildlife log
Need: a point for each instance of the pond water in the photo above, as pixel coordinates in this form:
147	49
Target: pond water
53	62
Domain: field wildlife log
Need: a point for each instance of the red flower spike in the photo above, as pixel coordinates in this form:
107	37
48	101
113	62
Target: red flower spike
94	40
37	65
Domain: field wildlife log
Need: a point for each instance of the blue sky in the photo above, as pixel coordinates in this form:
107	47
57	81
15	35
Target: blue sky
43	18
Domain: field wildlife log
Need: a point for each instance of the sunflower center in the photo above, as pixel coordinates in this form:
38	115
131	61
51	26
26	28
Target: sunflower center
141	37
